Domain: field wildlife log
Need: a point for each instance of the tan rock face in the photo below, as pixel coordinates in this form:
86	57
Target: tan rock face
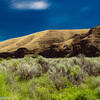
54	43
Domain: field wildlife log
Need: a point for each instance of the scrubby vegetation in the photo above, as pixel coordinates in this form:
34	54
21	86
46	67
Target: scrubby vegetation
39	78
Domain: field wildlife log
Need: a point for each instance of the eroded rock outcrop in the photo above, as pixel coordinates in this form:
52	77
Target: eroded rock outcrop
54	43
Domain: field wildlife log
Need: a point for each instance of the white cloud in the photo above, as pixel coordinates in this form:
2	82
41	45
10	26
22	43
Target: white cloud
32	5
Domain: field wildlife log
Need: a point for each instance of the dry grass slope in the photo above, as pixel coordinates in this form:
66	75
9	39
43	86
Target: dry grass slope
54	44
38	42
34	41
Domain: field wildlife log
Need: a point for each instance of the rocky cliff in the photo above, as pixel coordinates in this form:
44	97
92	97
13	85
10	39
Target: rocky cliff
54	43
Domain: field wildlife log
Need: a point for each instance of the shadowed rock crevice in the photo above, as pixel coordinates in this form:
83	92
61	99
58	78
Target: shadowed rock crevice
20	53
51	52
6	55
86	49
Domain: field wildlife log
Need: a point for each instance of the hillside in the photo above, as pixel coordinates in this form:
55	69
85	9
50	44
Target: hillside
54	43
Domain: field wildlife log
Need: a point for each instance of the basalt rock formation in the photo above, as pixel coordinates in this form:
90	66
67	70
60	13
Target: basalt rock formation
54	43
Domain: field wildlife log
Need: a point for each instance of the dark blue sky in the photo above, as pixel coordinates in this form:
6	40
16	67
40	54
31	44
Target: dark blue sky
22	17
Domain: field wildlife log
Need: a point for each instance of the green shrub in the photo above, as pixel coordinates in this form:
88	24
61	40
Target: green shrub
93	82
50	79
97	90
9	58
3	89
